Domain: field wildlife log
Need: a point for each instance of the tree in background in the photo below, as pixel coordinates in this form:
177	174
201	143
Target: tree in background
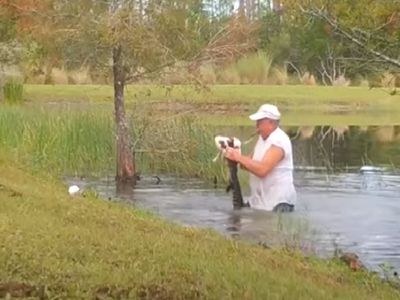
327	38
137	38
361	37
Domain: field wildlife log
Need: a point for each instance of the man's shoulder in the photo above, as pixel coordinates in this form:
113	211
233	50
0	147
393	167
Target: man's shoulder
279	133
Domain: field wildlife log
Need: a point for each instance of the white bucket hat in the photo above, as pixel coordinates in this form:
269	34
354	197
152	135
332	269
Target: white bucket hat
266	111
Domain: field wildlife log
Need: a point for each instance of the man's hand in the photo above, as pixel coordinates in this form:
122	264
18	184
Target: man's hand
259	168
232	154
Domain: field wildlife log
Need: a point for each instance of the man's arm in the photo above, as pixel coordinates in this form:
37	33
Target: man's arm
259	168
248	156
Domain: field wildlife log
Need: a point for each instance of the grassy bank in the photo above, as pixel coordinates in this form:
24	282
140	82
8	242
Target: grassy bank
290	95
73	248
230	104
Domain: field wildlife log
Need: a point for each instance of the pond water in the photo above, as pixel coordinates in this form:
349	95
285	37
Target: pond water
338	205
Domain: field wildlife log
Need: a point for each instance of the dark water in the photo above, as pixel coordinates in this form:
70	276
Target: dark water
338	206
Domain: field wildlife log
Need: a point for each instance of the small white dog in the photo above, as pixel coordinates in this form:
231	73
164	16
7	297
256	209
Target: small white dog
222	142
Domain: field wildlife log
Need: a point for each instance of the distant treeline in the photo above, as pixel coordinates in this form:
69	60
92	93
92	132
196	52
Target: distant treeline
228	42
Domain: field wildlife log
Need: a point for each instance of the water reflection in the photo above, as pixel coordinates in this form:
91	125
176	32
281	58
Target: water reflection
234	223
372	178
341	147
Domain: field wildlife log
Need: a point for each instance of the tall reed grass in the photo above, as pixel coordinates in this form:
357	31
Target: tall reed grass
13	91
63	143
83	142
180	145
254	68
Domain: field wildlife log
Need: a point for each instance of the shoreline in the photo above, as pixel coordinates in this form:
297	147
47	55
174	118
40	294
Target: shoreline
77	246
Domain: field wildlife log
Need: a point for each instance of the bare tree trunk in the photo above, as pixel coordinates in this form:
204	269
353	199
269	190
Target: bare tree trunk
50	64
276	5
141	10
47	74
242	7
248	9
258	9
125	155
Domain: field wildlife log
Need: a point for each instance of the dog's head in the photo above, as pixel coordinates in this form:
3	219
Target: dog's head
222	142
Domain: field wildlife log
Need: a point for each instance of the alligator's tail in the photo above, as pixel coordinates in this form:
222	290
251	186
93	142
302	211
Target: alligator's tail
234	185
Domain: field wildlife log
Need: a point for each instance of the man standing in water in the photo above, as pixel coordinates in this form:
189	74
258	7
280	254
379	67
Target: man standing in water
271	164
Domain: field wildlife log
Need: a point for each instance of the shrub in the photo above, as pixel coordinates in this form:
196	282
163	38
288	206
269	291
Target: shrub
59	76
388	80
13	91
364	83
278	76
80	76
341	81
308	79
177	74
207	74
229	75
254	68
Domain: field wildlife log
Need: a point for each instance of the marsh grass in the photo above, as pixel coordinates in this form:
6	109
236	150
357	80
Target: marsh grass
180	145
63	143
254	68
82	142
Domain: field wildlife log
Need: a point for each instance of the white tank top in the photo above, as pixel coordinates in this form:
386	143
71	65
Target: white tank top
277	187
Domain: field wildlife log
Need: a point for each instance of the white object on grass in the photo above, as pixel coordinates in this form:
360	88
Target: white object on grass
73	190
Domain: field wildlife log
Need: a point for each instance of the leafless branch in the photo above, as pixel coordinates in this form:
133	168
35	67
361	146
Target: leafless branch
322	15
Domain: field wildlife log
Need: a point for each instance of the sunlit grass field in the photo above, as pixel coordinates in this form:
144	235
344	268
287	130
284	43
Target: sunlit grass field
285	94
231	104
220	93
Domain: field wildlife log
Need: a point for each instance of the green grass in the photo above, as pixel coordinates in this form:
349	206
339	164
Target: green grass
290	94
255	67
63	143
78	247
231	104
13	91
74	142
